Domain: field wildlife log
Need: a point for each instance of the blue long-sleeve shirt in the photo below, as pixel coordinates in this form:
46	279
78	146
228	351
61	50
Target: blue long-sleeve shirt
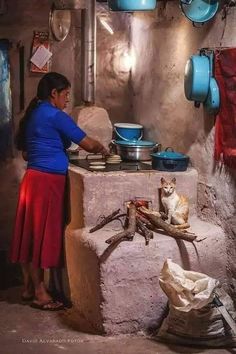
49	133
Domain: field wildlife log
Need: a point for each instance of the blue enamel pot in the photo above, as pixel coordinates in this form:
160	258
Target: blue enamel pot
197	78
199	11
170	161
132	5
212	103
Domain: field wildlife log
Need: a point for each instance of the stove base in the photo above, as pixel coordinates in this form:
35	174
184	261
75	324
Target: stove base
116	290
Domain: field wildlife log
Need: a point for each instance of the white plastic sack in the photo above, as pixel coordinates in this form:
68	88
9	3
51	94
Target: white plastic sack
192	318
186	290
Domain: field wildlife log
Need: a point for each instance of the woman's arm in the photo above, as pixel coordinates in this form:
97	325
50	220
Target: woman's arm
92	145
65	125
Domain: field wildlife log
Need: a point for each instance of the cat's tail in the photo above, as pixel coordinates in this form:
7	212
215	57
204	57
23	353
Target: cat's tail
182	226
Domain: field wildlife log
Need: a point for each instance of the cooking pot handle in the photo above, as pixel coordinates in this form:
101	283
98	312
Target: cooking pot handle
123	138
157	148
170	149
195	24
186	2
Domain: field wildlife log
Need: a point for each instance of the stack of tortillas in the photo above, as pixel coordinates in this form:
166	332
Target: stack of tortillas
97	165
113	159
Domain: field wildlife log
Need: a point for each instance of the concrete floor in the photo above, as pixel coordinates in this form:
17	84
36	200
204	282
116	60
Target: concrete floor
25	330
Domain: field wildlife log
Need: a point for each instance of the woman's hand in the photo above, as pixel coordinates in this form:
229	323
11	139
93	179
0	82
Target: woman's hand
104	151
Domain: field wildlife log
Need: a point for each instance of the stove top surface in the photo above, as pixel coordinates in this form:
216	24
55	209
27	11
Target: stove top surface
122	166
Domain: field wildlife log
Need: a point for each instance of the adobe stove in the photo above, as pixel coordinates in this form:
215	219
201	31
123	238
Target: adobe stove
120	285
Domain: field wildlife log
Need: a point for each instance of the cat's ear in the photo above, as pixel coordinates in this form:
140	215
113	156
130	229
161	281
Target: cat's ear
163	180
173	180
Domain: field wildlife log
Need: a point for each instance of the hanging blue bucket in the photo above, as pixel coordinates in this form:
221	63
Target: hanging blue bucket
132	5
128	131
197	78
199	11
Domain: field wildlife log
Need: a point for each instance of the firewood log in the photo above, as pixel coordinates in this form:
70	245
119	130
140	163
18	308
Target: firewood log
145	221
144	230
130	231
170	230
105	221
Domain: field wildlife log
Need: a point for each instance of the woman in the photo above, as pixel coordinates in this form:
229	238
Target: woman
45	132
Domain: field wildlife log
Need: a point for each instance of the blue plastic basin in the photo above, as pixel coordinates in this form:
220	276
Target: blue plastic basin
128	131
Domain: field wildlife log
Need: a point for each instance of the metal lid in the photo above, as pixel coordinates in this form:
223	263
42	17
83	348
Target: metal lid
137	143
128	125
167	155
60	23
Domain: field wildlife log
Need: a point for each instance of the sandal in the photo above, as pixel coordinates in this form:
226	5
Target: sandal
48	306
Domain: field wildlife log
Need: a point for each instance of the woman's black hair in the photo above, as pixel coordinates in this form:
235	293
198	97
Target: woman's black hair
47	83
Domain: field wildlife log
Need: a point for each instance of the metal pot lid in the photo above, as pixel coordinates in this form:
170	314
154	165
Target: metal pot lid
128	125
135	143
60	22
167	155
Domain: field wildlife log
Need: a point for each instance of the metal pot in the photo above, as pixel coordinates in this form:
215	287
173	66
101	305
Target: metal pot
197	78
134	151
169	161
212	103
199	11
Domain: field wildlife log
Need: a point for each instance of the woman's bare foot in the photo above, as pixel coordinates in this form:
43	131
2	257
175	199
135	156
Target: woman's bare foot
41	294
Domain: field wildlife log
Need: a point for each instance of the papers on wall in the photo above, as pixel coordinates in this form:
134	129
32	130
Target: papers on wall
41	57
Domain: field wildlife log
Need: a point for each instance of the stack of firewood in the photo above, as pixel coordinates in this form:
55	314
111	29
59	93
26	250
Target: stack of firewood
144	221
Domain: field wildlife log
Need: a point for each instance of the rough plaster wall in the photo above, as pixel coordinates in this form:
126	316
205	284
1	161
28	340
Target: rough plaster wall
113	78
162	41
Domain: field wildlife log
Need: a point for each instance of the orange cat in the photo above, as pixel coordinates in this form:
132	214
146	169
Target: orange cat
176	206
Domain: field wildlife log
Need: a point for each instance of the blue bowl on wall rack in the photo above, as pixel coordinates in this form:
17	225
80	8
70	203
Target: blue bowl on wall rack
199	11
132	5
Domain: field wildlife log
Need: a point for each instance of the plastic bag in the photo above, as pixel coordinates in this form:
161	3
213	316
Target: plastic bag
186	290
192	317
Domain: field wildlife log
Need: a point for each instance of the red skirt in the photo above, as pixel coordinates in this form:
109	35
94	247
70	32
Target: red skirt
39	225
